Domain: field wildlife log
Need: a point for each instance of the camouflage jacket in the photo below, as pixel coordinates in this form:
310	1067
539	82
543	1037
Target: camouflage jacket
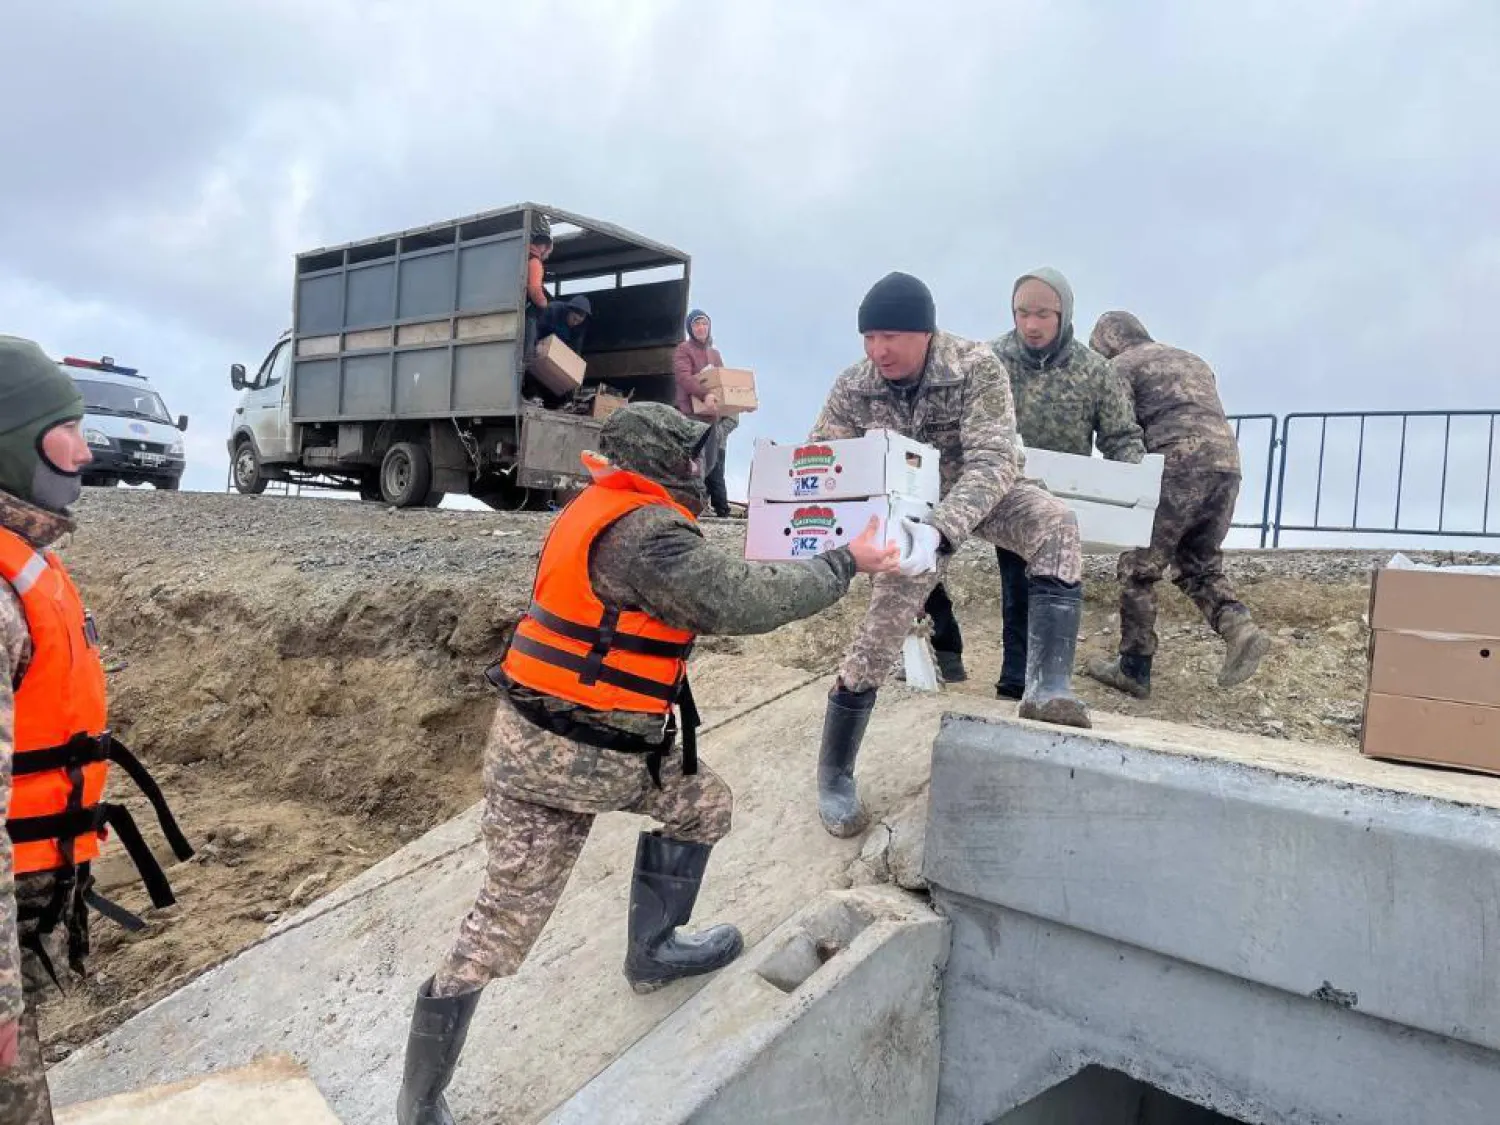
962	406
1178	404
658	561
40	529
1071	403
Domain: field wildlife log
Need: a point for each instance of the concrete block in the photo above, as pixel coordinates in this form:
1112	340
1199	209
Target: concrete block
832	1020
1276	945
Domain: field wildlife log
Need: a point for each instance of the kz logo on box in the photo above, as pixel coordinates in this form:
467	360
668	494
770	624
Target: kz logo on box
814	470
810	530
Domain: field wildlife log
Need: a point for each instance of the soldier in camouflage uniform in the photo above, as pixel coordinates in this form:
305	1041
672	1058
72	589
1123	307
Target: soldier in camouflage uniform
41	449
1066	399
1178	404
950	393
551	765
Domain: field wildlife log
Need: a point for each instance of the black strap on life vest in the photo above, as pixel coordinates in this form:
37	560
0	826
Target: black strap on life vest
605	636
561	724
75	821
587	666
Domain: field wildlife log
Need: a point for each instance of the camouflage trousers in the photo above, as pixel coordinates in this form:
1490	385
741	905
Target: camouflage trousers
542	793
24	1099
1028	521
1192	519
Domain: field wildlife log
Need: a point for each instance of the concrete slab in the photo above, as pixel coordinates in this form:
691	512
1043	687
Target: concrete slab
1263	932
334	988
270	1091
834	1019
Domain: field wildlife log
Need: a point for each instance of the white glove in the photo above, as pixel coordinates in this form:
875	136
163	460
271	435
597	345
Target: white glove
919	547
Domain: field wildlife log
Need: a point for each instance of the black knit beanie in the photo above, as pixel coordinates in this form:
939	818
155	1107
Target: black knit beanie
898	302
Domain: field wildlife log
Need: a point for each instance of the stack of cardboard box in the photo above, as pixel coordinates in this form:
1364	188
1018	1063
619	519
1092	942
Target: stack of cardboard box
1434	689
810	498
734	387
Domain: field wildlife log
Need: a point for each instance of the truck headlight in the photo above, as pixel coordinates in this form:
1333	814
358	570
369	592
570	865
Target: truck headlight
175	449
96	439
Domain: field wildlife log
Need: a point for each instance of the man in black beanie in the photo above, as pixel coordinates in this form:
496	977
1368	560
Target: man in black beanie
953	394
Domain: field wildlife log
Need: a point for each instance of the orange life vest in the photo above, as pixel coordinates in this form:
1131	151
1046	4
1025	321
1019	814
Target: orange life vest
63	747
572	646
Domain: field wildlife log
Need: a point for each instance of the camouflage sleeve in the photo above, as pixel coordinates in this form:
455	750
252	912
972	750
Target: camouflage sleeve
842	414
1118	434
15	642
988	436
655	559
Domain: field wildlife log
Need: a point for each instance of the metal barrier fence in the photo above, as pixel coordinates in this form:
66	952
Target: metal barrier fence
1373	472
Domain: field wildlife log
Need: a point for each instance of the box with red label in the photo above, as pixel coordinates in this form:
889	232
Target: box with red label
781	531
881	463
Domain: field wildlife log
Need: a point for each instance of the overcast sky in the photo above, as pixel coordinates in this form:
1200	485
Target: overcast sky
1304	194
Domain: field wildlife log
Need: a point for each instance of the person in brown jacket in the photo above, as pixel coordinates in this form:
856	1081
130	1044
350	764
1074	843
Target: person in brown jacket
688	361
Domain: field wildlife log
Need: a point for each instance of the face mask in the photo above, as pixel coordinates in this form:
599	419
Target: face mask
53	489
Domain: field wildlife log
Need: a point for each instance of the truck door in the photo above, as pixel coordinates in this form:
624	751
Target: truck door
267	409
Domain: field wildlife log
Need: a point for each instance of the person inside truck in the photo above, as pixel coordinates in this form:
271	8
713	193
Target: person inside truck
567	320
536	292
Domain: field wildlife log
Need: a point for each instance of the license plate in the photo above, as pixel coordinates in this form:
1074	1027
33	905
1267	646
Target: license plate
148	458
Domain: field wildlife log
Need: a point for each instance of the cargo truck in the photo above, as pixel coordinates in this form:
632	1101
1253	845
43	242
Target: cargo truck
402	376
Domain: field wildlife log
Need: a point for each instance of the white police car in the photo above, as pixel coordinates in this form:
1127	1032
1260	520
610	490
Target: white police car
131	435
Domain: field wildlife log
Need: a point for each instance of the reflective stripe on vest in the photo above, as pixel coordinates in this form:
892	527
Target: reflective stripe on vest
62	745
568	644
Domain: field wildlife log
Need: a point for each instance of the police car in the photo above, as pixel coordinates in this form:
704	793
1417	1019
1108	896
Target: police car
131	435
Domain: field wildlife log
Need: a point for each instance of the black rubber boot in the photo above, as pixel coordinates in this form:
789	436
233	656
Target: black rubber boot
1014	594
1130	673
844	726
439	1026
950	666
947	637
1052	635
663	890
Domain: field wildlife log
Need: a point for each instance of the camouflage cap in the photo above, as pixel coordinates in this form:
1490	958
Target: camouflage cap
657	441
1116	331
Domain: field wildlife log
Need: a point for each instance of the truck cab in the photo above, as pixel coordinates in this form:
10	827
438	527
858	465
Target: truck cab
404	374
130	434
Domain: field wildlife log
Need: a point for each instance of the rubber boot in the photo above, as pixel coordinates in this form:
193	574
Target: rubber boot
1014	593
1245	645
1052	635
439	1026
1130	672
951	666
663	890
844	726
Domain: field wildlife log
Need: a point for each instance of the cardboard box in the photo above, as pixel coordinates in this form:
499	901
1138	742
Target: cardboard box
1110	529
1432	732
1435	666
606	404
1093	478
556	366
1434	683
1458	600
722	379
732	400
881	463
781	531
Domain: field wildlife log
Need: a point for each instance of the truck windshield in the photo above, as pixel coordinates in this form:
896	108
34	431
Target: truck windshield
132	402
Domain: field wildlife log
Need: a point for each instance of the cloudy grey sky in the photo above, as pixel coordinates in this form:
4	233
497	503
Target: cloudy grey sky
1305	194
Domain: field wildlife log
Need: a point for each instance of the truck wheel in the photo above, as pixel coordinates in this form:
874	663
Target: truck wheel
248	479
169	486
406	475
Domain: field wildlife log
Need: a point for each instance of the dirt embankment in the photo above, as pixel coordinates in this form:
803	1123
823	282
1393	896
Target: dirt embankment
303	676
